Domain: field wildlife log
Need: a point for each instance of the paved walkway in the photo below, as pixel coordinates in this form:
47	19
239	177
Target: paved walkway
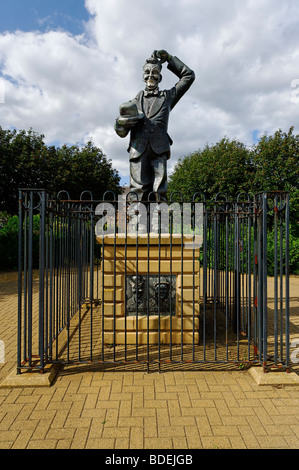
92	409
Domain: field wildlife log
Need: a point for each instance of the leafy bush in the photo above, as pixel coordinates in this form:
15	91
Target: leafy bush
9	241
293	252
27	162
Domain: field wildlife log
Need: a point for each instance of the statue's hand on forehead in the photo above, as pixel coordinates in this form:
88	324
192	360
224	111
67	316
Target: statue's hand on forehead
162	55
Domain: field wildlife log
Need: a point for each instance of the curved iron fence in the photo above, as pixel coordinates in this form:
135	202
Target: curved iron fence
167	282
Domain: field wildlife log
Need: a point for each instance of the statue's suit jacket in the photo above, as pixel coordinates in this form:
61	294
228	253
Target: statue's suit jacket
153	128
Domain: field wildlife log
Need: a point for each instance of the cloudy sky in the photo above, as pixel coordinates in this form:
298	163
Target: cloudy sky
67	65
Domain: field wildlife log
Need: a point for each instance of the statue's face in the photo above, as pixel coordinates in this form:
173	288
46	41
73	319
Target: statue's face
151	76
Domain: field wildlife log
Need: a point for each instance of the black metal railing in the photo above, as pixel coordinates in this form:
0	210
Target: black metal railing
75	276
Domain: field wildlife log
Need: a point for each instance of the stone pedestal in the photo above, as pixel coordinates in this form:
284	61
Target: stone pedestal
173	260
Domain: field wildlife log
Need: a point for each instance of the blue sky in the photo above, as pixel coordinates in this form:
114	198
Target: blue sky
67	65
42	15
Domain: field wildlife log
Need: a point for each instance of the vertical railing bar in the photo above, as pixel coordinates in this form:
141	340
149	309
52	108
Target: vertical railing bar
59	274
71	242
83	296
205	273
193	281
249	284
75	262
47	319
114	280
51	288
275	209
226	277
103	294
147	282
215	251
182	279
98	276
233	267
137	270
255	279
222	262
210	255
61	266
19	346
68	276
62	271
265	325
91	281
42	278
126	294
56	258
260	282
237	278
281	258
25	263
230	263
244	271
242	293
287	285
79	254
170	271
30	281
159	281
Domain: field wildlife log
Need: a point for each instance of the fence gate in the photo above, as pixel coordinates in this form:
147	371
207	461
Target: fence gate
196	284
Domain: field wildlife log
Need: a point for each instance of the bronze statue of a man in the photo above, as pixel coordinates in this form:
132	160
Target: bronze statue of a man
146	118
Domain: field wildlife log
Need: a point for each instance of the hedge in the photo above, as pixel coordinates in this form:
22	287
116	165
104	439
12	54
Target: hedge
9	226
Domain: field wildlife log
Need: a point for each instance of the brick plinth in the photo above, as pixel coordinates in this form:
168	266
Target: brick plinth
150	255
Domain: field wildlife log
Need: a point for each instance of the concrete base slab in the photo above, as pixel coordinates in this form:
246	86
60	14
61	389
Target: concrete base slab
31	378
273	378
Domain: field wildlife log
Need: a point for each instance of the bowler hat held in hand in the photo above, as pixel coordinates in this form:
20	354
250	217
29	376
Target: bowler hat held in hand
129	114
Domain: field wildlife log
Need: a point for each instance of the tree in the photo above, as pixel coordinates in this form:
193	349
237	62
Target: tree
27	162
229	167
276	167
21	164
276	161
78	169
224	167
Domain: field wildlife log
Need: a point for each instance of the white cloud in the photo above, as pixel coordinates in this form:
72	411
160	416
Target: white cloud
244	54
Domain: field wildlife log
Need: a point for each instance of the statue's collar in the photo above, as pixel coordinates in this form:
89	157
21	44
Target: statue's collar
149	93
155	104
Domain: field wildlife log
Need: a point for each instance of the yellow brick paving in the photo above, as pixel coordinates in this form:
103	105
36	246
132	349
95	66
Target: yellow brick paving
88	408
